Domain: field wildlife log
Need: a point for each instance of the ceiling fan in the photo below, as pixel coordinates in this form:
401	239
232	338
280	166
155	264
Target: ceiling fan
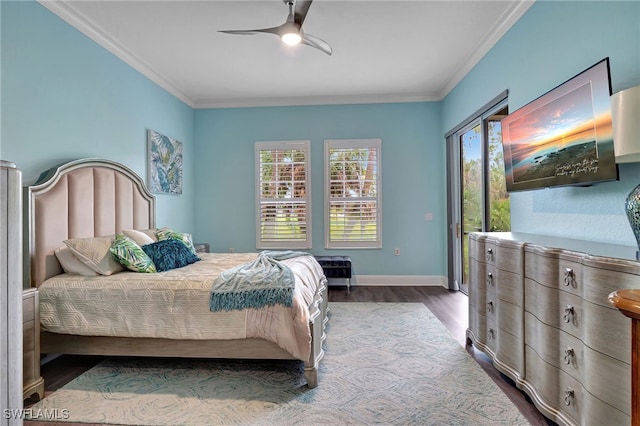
291	31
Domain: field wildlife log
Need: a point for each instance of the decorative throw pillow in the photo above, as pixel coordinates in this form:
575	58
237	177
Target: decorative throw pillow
140	237
169	254
130	255
94	252
168	234
71	264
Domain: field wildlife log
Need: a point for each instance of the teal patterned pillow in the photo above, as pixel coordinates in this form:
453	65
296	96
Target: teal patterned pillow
168	234
131	255
169	254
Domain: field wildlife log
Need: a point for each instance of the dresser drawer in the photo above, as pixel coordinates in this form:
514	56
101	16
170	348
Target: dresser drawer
571	397
554	270
597	413
509	256
556	388
607	331
510	318
562	350
556	308
543	377
509	352
28	308
600	282
509	287
608	379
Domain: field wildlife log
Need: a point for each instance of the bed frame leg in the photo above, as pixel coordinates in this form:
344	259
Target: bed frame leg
311	374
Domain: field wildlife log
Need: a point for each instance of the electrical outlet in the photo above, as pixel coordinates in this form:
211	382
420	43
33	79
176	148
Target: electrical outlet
396	251
428	216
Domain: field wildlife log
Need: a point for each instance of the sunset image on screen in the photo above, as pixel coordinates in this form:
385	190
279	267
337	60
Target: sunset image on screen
548	140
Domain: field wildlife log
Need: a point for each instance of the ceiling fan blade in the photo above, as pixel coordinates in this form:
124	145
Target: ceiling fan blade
274	30
316	42
301	9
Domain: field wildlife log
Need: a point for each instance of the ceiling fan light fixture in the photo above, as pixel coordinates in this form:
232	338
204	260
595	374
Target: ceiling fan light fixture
291	38
291	33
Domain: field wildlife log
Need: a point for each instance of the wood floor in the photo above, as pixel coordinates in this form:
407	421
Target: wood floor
450	307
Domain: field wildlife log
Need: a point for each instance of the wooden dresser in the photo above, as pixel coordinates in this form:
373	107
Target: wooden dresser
496	273
538	306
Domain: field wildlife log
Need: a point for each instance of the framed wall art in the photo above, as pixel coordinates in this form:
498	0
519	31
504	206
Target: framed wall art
164	167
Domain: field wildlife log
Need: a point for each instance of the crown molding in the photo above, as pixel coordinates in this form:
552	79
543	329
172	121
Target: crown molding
509	17
65	11
315	100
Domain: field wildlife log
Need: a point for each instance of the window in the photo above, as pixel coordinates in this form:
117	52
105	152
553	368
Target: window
352	193
283	199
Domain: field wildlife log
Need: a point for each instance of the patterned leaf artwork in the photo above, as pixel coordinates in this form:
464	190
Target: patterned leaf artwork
165	164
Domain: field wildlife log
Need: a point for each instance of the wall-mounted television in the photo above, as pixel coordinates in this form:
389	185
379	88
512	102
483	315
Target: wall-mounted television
564	137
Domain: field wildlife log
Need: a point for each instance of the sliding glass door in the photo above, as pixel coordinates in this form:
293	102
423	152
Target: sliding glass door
471	192
478	200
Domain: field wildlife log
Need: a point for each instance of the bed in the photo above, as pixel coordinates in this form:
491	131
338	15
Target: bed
92	198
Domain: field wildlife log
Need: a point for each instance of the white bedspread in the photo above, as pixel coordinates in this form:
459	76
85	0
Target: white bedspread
175	305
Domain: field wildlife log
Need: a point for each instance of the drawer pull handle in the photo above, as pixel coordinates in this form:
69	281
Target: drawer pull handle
569	353
569	394
491	334
489	254
569	312
490	306
569	276
490	279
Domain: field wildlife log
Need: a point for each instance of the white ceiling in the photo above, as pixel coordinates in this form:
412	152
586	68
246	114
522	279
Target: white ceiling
384	51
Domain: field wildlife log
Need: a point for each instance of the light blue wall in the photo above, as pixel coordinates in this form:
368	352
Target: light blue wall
64	97
552	42
412	177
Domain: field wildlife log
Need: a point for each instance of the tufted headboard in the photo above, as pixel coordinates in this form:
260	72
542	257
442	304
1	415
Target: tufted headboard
80	199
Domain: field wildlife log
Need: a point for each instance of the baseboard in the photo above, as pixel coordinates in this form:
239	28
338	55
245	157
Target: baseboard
394	280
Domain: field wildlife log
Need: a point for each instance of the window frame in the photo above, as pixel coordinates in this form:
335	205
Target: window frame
301	145
329	144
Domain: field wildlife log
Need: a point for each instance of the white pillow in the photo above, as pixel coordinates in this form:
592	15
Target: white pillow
71	264
94	252
141	238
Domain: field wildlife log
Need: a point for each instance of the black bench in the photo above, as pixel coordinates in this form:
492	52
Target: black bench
336	267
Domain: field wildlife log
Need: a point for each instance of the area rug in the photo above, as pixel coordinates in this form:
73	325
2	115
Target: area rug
385	363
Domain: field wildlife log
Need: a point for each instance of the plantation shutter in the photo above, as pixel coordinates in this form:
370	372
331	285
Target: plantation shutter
282	195
352	194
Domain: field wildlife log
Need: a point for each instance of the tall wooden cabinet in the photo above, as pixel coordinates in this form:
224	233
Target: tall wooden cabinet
573	354
10	291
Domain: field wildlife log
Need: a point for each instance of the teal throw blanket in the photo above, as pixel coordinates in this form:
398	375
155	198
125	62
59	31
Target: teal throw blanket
264	282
